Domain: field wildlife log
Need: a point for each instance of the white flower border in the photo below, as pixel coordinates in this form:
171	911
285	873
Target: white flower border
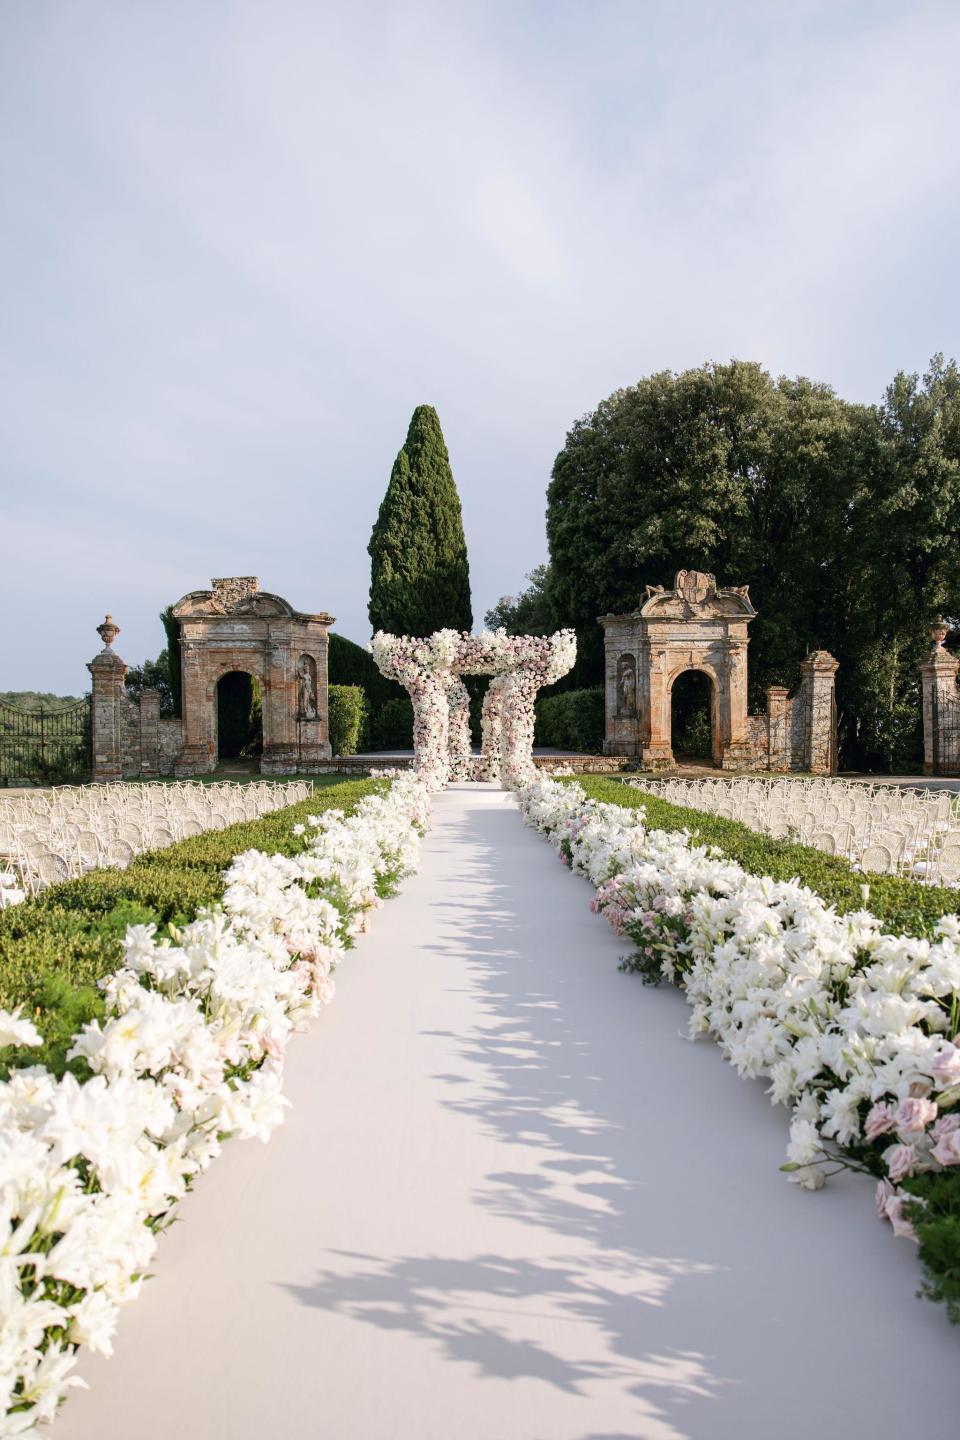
190	1052
856	1030
429	669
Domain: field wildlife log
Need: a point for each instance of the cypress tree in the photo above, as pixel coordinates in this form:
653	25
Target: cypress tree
419	575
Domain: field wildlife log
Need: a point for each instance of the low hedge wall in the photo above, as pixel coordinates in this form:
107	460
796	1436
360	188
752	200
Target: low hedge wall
905	906
572	720
54	948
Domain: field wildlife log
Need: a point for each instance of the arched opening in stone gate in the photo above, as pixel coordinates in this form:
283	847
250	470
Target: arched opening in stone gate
239	716
694	719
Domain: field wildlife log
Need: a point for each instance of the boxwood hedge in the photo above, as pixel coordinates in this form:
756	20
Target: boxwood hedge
55	947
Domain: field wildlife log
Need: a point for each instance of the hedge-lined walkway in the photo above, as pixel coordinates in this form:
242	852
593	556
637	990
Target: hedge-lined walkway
512	1203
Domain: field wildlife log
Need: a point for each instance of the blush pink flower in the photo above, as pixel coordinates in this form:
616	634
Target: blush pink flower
946	1067
946	1152
884	1192
913	1116
880	1121
901	1225
901	1161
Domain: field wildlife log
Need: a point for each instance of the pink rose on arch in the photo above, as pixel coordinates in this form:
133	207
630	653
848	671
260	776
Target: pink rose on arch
913	1116
880	1121
901	1161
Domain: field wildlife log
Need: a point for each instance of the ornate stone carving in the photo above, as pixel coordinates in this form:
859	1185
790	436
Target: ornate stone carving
108	632
232	590
307	688
695	586
627	685
939	631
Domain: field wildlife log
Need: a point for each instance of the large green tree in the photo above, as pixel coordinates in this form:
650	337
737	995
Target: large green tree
419	575
841	518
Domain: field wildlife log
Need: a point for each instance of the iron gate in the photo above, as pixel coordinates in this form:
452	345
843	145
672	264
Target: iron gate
48	745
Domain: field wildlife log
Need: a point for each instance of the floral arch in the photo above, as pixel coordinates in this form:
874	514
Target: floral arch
430	670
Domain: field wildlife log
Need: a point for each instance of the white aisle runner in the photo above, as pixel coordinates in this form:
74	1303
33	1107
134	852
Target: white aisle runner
512	1203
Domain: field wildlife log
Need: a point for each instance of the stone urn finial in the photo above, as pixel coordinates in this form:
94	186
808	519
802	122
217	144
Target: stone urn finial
939	631
108	632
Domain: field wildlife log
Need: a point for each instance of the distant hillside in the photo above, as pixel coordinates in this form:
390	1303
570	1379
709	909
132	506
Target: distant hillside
33	699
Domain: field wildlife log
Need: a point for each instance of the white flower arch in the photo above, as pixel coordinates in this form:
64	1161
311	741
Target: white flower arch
429	668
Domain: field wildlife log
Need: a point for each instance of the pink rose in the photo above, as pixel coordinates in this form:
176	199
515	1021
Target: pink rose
946	1152
901	1161
913	1116
945	1126
884	1192
880	1120
946	1067
901	1225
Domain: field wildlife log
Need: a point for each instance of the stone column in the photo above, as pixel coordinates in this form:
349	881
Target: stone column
199	753
817	689
280	751
657	753
938	678
149	734
778	738
108	672
735	749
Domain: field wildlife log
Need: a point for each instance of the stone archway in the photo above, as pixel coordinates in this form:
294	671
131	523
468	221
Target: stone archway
713	756
694	626
237	626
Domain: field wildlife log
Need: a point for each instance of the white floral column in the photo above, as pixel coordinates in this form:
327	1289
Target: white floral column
458	729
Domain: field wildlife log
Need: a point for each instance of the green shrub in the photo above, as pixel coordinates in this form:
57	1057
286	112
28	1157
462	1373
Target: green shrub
392	727
905	906
348	708
55	947
572	720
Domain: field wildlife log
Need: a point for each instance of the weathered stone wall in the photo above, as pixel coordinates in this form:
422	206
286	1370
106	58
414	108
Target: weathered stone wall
150	745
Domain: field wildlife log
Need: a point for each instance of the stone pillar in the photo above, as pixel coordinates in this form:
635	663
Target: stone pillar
778	737
819	721
280	755
938	678
199	753
657	752
108	672
736	752
149	734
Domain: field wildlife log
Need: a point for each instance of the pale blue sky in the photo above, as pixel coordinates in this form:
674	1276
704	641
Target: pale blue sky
239	242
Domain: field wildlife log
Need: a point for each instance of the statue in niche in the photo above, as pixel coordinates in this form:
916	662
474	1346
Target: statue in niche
626	686
307	688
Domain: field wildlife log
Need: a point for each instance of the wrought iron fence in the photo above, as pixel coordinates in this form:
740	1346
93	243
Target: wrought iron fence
45	746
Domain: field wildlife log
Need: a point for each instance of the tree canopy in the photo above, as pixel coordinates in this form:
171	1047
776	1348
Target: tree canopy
840	517
419	575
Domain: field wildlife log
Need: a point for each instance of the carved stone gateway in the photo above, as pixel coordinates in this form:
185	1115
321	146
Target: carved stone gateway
699	626
238	626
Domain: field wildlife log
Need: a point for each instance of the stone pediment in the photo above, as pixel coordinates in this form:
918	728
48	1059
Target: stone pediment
239	595
695	595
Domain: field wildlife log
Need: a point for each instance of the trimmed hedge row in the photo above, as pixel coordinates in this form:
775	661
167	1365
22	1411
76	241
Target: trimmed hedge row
905	906
572	720
54	948
347	712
